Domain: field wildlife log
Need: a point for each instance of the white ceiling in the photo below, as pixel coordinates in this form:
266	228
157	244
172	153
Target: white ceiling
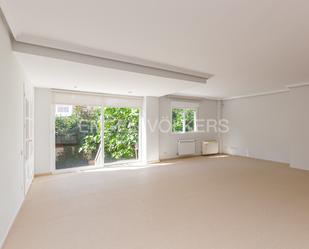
250	46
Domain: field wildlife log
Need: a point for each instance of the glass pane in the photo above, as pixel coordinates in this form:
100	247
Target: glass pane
121	134
177	120
190	120
78	136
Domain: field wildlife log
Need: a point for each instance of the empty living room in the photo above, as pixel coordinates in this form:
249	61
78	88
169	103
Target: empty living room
154	124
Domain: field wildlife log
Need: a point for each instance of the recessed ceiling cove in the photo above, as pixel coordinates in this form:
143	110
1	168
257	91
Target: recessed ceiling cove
62	74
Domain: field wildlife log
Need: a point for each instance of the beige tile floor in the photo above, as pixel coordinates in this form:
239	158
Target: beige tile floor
204	203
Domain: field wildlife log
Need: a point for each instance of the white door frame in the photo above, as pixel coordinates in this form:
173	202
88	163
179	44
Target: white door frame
53	147
82	168
28	134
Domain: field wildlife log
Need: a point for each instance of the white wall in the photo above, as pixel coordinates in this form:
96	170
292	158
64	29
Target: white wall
11	134
259	127
168	141
151	117
299	127
42	130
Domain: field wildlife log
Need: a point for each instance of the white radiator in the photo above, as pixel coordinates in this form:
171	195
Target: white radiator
186	147
210	147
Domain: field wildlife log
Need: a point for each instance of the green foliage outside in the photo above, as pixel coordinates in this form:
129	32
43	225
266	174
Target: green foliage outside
80	135
177	120
121	127
190	117
183	120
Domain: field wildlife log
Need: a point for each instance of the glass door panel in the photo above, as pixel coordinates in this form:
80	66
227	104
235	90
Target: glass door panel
121	134
78	136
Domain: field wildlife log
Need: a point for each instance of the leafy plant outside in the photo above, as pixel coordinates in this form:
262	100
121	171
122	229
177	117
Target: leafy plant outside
80	134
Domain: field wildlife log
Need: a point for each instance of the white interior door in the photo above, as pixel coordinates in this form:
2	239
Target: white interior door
28	136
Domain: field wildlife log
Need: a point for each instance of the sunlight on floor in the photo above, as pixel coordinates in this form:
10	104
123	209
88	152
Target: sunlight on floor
140	165
127	167
218	156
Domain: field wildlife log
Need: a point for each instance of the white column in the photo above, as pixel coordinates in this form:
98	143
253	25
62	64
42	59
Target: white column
150	134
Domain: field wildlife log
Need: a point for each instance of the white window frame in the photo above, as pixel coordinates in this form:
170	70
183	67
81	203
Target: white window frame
185	106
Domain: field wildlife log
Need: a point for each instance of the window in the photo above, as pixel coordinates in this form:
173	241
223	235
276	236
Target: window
78	136
64	110
183	120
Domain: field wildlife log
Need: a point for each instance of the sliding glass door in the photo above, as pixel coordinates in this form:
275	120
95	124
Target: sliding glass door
78	136
121	134
78	133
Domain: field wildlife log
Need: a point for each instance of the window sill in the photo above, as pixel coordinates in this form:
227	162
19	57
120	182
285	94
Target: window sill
187	132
